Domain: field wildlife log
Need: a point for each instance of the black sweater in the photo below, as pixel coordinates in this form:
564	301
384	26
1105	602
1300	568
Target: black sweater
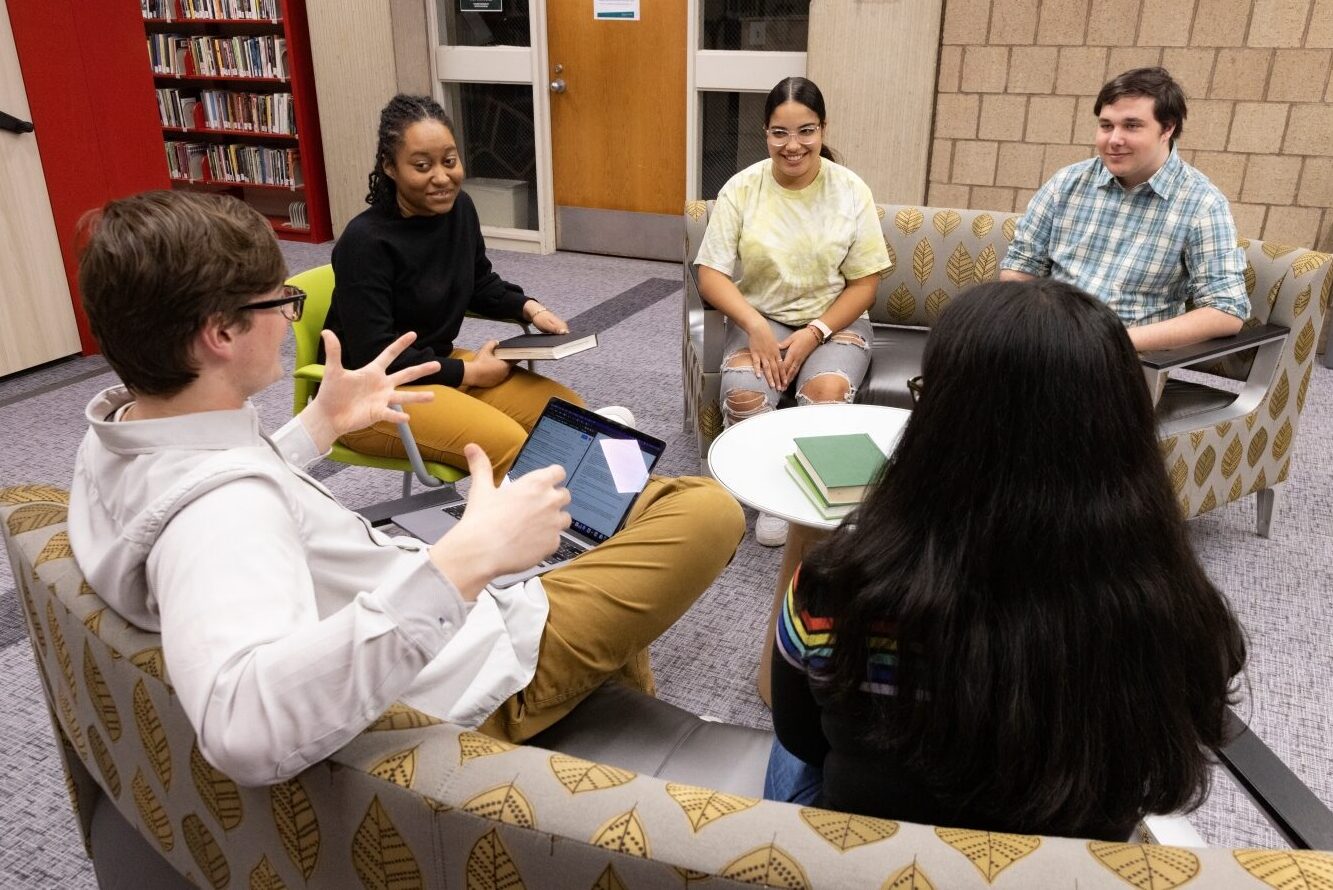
395	274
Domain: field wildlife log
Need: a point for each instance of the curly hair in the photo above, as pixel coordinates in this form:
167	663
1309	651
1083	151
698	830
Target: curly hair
402	112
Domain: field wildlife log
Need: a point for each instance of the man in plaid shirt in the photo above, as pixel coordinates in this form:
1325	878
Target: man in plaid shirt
1137	226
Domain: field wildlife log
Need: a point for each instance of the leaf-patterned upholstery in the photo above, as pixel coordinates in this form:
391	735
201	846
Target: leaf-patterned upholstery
415	803
1214	457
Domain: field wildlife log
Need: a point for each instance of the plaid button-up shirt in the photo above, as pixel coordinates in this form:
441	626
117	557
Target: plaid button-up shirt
1151	252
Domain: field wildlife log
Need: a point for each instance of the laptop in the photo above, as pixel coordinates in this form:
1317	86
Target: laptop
606	467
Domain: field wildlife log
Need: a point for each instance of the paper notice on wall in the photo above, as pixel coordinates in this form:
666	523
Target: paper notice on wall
625	461
615	10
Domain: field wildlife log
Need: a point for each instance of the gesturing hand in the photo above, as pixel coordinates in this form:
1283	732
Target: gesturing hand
503	529
350	400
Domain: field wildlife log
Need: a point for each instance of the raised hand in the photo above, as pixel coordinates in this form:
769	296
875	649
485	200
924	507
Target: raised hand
503	529
351	400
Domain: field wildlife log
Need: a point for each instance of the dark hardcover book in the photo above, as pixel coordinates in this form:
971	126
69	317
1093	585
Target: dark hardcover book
543	346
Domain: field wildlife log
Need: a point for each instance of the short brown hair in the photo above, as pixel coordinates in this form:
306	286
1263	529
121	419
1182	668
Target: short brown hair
157	266
1168	99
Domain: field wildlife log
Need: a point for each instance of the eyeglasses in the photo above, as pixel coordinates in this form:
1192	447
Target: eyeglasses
914	388
778	136
292	303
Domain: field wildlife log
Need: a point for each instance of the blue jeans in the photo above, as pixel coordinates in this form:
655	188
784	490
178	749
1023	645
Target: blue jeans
790	779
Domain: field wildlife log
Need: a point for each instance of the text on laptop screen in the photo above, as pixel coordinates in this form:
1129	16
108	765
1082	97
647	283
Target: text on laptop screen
605	466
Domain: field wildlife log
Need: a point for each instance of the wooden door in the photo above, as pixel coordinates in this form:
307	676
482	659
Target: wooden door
36	316
617	125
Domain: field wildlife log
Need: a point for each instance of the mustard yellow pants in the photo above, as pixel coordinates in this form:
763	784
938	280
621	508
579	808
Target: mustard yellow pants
498	418
608	605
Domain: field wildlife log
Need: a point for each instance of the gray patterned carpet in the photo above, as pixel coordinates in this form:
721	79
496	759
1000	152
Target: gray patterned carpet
706	663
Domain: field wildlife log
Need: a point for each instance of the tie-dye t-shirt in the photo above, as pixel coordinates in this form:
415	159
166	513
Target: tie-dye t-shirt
797	249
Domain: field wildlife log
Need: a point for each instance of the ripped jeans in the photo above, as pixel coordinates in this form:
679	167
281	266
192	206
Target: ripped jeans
830	374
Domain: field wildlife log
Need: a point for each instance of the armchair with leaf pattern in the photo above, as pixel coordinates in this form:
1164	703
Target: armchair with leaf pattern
412	802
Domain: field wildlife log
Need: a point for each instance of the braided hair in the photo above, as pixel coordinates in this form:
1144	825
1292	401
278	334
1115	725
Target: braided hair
402	112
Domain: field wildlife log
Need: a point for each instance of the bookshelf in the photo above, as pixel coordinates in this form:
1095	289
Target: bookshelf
235	95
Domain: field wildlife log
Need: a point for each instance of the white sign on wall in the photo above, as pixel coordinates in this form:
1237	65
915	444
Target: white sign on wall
615	10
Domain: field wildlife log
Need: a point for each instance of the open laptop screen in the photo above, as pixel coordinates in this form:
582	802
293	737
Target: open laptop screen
606	465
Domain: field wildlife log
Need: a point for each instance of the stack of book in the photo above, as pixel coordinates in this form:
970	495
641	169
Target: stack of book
834	471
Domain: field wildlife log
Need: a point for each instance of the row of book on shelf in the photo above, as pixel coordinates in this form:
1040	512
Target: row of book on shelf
249	10
834	471
263	55
228	110
234	163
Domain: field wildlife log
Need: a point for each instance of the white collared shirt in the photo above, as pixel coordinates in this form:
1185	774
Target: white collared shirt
288	623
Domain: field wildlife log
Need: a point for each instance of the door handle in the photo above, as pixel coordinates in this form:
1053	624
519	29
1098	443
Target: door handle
13	124
558	85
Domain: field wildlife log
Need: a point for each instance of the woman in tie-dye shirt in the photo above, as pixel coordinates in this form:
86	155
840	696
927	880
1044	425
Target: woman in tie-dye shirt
792	255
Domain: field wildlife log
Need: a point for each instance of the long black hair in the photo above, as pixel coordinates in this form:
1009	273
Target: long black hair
1063	660
402	112
804	92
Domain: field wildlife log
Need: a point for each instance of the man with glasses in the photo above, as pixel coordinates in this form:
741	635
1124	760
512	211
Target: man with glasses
288	624
1137	226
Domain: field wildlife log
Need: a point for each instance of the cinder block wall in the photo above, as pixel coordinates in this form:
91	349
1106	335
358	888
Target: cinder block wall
1017	78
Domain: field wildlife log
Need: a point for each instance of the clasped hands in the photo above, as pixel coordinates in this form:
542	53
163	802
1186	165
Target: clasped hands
779	362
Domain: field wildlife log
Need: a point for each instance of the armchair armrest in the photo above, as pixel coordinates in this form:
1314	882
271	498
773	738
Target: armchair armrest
703	323
1267	338
1284	799
1183	356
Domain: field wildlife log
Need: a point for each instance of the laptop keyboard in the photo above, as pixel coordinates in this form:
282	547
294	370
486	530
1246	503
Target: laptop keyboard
566	551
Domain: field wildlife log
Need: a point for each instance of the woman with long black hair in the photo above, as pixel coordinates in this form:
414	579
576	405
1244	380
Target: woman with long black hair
1012	632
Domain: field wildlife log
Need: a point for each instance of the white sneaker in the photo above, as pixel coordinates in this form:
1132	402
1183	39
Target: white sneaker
619	413
770	530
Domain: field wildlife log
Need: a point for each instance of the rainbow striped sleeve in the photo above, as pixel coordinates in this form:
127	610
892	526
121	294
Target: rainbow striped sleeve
806	642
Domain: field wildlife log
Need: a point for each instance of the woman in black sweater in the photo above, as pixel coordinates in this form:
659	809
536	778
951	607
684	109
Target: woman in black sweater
415	261
1011	633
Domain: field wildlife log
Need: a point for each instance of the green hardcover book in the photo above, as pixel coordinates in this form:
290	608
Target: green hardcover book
807	486
840	466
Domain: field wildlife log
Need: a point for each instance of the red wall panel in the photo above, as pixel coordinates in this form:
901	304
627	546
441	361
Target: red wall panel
90	89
